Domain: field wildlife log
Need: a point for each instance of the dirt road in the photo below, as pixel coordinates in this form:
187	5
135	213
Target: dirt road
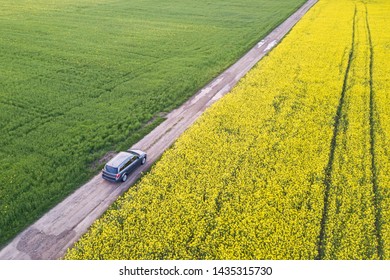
58	229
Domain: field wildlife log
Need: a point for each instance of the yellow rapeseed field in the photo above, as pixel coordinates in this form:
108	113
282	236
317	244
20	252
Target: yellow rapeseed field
350	231
292	164
379	20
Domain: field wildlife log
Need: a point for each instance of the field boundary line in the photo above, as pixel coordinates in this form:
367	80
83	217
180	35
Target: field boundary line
333	144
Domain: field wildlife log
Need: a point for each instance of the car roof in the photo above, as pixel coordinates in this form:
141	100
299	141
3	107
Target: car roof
119	159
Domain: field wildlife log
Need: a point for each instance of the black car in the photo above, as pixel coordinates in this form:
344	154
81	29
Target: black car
120	166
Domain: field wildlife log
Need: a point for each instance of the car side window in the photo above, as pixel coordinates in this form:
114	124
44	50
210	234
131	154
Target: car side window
128	163
133	159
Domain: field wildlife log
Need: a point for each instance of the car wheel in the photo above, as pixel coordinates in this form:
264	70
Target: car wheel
143	161
124	178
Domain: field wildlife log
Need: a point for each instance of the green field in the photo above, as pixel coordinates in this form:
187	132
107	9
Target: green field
80	78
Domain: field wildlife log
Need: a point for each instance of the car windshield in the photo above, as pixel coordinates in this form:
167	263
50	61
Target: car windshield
111	169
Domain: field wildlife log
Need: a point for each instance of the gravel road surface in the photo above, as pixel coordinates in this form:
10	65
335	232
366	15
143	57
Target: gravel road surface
57	230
